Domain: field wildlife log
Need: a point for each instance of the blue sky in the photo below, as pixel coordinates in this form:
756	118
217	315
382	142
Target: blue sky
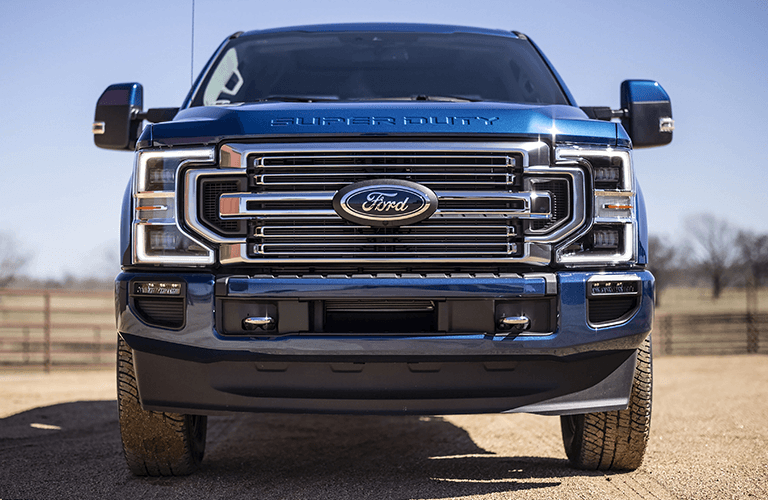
60	195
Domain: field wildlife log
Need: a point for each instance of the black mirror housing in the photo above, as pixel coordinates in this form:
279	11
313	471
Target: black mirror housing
648	116
116	124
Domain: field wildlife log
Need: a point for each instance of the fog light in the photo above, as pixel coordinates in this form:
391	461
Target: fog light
609	287
157	288
159	303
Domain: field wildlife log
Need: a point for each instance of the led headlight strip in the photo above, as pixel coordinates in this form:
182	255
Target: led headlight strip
611	238
157	236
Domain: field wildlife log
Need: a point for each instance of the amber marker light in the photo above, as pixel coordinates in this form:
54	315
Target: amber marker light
229	206
618	207
157	207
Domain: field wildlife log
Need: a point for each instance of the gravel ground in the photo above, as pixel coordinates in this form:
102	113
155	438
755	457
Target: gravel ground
24	390
709	440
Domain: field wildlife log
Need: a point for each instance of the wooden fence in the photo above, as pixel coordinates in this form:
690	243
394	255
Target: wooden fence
59	328
698	334
53	328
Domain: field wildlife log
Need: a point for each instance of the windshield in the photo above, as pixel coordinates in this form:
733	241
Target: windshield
361	66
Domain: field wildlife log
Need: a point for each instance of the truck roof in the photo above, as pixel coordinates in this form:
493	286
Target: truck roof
383	27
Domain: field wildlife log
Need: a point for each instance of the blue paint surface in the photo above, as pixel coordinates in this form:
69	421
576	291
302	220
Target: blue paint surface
643	91
206	125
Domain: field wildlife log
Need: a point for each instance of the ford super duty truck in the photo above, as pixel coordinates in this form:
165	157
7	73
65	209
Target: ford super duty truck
383	218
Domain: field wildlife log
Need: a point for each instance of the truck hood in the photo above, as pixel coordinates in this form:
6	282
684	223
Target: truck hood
275	120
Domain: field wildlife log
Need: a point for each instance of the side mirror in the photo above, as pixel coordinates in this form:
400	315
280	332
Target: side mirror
116	124
648	113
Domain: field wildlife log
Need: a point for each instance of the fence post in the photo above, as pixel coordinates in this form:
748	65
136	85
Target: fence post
752	330
667	328
752	334
25	344
47	330
658	338
96	345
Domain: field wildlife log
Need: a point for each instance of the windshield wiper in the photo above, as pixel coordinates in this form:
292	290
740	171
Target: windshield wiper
333	98
444	98
298	98
423	97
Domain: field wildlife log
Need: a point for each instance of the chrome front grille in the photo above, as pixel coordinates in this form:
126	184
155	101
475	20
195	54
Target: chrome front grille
434	238
282	203
331	172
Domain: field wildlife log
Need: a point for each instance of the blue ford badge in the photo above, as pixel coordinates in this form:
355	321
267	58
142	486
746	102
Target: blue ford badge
385	202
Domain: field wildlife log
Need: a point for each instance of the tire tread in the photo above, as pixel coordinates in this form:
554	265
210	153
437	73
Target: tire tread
154	443
614	440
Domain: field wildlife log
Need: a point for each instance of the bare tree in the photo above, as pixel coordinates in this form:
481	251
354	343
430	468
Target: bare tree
110	261
662	262
753	255
714	248
12	259
753	249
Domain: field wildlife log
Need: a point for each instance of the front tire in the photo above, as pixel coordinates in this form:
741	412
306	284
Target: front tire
155	443
614	440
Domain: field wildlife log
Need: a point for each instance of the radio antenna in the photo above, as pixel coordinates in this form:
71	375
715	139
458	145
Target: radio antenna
192	62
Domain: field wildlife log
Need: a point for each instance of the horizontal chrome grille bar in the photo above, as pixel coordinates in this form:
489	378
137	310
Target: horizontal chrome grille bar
393	254
531	253
326	229
422	244
406	236
357	158
479	212
443	173
238	205
339	185
405	168
327	196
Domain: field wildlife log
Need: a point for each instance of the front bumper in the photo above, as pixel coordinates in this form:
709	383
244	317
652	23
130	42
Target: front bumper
574	368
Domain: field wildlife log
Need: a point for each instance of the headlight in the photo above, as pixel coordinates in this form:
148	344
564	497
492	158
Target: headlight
612	235
157	236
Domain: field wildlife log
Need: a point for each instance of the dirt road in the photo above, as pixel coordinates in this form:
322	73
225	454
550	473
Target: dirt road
709	440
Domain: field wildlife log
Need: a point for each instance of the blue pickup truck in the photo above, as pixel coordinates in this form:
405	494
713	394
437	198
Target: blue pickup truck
389	219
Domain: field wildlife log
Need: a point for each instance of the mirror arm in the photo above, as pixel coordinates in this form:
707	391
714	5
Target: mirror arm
604	112
620	113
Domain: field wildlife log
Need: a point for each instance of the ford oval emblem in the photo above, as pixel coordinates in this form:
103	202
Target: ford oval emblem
385	202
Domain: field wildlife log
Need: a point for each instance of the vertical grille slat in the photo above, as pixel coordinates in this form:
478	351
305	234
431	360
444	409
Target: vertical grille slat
559	191
211	191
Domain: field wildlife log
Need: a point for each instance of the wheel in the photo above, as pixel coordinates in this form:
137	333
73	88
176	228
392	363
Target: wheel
155	443
614	440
